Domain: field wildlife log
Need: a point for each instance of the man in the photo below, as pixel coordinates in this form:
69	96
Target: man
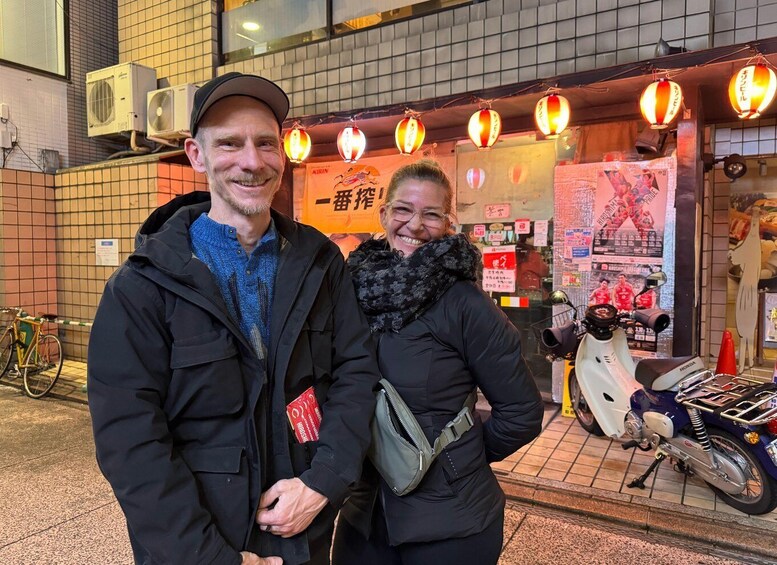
601	294
226	322
623	295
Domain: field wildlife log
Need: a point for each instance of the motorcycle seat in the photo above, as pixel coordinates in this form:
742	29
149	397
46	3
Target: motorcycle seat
660	374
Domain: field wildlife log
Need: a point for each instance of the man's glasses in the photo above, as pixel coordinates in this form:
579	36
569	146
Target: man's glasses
429	218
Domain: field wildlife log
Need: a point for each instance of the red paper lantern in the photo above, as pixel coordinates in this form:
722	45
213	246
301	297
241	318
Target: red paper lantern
297	144
484	128
409	135
351	143
552	115
751	90
660	102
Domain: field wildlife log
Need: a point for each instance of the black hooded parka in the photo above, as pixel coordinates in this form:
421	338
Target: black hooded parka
190	425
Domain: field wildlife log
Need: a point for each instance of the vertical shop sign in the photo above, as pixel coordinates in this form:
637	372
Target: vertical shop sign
499	268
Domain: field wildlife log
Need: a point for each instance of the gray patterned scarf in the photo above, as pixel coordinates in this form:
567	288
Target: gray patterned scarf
394	290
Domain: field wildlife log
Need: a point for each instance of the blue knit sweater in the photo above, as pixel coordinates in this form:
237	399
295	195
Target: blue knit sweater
246	280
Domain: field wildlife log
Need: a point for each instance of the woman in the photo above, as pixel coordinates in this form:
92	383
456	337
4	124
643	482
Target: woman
438	336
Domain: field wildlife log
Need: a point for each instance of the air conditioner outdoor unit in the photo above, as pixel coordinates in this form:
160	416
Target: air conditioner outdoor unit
169	110
116	98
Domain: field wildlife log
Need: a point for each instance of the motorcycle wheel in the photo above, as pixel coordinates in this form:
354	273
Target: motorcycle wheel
760	494
580	406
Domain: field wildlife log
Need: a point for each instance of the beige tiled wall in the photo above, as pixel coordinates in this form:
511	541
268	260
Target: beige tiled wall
106	201
176	37
28	262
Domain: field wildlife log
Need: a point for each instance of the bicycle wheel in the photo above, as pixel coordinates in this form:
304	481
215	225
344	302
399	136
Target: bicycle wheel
6	351
43	366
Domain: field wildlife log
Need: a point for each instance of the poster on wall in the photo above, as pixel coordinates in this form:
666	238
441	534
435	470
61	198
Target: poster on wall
630	210
577	248
743	205
769	320
499	269
619	283
106	252
344	197
508	183
591	194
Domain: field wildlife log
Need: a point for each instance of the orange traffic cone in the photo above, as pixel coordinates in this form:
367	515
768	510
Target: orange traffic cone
727	360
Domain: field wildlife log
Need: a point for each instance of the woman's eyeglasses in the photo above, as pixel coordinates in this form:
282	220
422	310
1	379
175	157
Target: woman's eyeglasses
429	218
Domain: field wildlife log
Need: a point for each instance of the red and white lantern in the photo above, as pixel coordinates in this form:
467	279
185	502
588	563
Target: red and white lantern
552	115
475	178
660	102
351	143
484	128
297	144
751	90
409	135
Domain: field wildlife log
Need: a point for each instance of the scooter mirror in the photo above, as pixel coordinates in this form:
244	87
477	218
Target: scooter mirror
654	280
559	297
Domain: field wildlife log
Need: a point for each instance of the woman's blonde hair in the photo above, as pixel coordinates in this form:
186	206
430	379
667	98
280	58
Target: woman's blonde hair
423	170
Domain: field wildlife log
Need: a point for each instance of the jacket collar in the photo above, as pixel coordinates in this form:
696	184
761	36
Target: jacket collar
163	239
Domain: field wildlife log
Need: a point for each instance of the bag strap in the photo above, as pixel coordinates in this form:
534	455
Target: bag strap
456	428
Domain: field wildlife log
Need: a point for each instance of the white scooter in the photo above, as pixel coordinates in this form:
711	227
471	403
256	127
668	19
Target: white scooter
722	428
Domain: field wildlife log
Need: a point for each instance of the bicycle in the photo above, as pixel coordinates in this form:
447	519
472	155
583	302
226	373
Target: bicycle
39	356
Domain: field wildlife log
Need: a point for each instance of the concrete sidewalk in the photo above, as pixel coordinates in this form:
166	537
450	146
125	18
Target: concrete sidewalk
566	468
57	509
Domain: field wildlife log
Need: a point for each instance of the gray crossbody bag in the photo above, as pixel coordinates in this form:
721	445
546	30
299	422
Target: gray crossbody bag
399	450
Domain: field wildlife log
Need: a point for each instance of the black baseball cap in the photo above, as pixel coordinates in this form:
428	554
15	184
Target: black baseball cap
238	84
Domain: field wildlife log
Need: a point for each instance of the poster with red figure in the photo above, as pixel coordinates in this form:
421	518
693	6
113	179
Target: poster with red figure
630	211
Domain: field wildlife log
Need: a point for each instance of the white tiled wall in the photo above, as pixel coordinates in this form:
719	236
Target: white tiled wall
488	44
755	138
38	108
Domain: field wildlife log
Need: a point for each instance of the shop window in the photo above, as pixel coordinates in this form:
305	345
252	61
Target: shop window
254	27
354	15
751	313
32	34
504	203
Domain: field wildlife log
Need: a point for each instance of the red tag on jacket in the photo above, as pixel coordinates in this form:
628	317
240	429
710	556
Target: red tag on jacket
304	416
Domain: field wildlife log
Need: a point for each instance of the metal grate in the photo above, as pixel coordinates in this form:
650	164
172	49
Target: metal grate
738	398
101	102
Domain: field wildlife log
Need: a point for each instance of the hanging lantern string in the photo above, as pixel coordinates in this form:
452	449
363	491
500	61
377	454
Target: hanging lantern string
758	58
540	86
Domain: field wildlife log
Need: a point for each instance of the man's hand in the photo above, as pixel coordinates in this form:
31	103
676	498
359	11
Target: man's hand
294	506
253	559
